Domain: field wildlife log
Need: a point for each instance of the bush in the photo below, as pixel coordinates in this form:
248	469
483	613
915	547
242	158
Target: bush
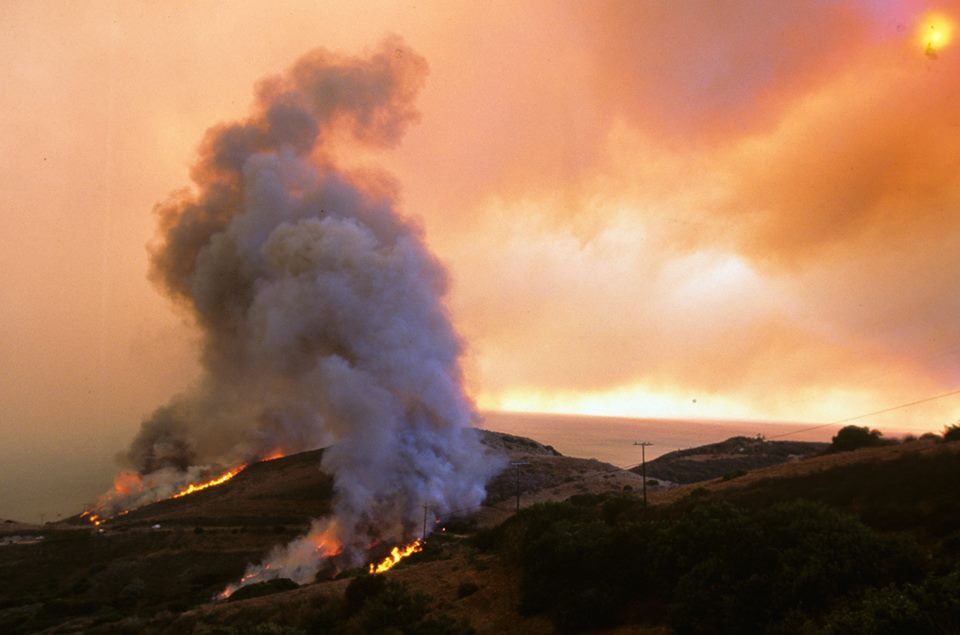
363	588
266	628
324	614
929	608
465	589
709	567
60	608
760	566
461	525
260	589
395	607
133	591
444	625
853	438
951	433
388	606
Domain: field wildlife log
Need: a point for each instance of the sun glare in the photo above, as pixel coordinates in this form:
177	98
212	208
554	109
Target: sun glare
936	32
625	401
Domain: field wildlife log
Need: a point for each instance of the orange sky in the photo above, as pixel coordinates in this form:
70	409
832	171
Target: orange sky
743	209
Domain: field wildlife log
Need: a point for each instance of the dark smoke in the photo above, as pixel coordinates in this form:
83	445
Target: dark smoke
319	306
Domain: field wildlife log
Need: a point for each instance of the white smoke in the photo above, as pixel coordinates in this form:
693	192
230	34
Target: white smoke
320	311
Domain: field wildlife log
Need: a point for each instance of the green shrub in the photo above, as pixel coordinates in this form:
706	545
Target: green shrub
325	614
133	591
260	589
394	607
444	625
266	628
951	433
59	608
466	588
854	437
928	608
729	476
710	566
390	607
363	588
461	525
761	565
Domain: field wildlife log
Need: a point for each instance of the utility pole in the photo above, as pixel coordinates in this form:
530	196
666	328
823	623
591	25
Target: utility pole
423	534
518	465
643	466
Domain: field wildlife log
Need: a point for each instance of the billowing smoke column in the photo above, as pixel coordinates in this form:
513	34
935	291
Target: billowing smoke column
320	311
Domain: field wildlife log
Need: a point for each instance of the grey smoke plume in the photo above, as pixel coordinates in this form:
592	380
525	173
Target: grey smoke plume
319	307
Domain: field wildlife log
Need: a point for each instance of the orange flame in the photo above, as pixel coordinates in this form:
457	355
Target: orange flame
93	518
321	541
220	480
126	482
396	555
226	593
276	454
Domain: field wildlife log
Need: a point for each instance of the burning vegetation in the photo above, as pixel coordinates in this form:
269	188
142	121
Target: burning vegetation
396	555
127	483
220	480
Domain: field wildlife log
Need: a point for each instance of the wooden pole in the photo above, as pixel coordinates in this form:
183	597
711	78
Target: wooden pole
643	466
518	464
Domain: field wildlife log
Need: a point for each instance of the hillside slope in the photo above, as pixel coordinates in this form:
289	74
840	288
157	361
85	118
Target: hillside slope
734	455
156	569
175	554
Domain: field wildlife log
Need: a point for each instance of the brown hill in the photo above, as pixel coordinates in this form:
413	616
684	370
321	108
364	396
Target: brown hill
169	556
736	454
139	578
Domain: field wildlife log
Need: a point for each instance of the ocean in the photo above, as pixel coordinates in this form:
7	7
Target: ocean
611	439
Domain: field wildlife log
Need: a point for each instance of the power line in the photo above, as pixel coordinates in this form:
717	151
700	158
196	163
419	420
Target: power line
869	414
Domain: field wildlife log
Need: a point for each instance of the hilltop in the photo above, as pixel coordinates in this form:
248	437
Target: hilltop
156	569
736	454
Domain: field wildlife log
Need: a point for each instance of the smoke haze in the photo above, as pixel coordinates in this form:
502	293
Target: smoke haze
747	204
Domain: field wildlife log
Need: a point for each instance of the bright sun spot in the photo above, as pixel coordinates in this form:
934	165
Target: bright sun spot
936	32
624	401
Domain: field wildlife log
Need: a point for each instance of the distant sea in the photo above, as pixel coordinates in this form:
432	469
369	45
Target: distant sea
610	439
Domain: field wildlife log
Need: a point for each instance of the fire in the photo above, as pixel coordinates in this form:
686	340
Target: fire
220	480
299	561
93	518
244	581
276	454
126	483
396	555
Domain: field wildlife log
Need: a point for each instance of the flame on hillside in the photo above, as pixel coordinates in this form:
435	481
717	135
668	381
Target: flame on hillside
298	560
93	518
220	480
396	555
128	486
